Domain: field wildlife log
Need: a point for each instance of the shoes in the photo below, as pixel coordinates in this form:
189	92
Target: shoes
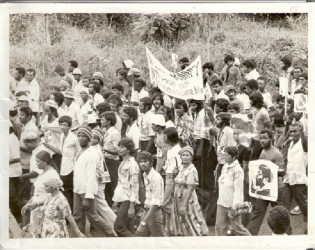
295	211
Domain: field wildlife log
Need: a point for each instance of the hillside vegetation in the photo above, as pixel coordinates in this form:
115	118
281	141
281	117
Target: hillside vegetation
100	42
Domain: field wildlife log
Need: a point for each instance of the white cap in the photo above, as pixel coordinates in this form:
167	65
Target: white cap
159	119
77	71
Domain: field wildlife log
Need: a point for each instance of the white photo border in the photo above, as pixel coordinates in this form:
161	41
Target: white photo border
210	242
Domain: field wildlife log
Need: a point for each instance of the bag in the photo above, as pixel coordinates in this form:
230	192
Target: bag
105	176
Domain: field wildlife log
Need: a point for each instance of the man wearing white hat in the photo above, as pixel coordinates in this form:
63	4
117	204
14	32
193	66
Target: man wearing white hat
72	109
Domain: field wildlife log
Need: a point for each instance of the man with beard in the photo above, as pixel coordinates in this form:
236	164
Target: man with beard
85	185
263	177
129	117
225	138
272	154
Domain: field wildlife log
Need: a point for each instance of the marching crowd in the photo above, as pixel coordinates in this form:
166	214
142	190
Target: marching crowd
125	159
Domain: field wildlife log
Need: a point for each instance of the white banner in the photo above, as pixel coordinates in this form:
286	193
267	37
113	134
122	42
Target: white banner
263	180
300	103
186	84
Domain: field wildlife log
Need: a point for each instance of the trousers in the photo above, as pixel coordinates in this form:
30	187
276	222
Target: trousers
154	225
94	218
299	193
259	211
223	221
124	226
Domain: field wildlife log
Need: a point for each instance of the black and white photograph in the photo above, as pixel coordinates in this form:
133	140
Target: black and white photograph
130	124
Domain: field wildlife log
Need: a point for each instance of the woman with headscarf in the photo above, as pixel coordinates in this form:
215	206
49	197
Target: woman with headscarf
44	163
187	218
56	210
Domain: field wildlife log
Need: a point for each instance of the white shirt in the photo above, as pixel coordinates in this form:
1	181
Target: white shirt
22	86
172	159
244	99
51	131
69	148
74	112
15	169
97	99
137	96
77	91
225	139
133	133
127	188
118	124
252	75
267	99
198	124
231	185
154	188
34	94
111	139
297	162
84	174
167	101
170	124
145	125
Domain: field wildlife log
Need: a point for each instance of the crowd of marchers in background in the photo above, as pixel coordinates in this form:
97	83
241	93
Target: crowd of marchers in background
125	159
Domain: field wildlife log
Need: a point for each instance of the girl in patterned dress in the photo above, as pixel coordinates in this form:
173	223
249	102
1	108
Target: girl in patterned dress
187	218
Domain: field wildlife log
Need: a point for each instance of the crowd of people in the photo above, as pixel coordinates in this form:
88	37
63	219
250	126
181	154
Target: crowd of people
125	159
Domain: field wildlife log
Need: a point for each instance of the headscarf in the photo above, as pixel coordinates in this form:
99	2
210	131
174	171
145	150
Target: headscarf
55	183
187	149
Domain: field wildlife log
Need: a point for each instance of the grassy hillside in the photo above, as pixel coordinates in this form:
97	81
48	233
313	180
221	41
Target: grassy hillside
103	49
